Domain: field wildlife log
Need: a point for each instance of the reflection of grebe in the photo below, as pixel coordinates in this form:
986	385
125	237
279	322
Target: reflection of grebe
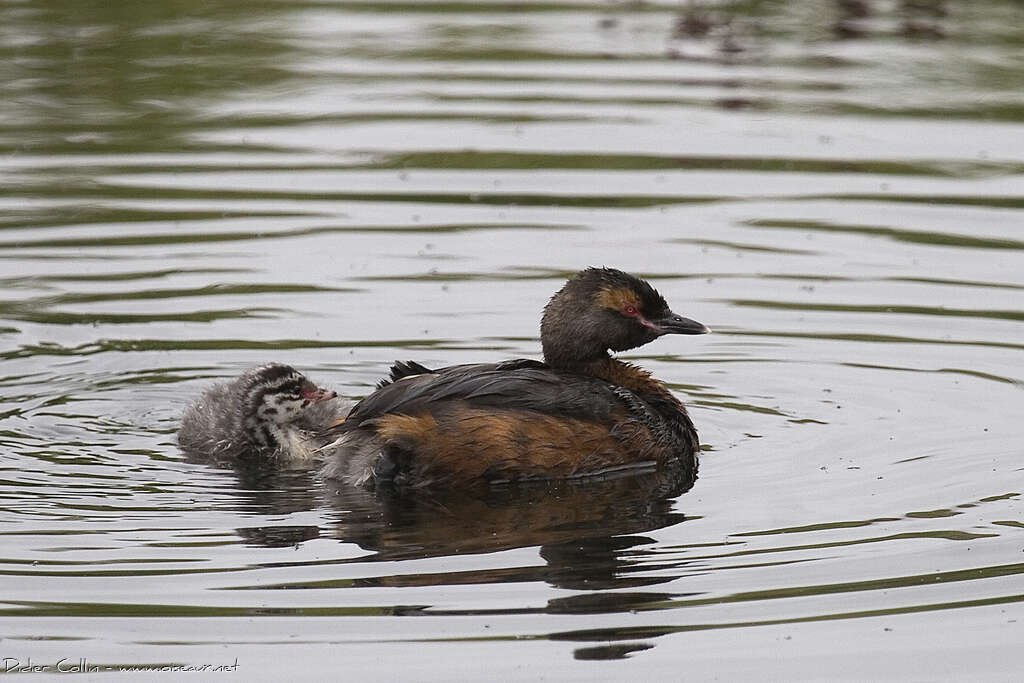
580	413
269	413
576	513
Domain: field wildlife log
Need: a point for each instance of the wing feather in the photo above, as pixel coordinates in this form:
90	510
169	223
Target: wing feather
514	385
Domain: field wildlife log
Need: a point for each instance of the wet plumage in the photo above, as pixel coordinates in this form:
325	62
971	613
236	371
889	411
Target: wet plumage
270	412
581	413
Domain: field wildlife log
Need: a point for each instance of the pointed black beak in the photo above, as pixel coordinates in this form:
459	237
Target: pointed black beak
677	324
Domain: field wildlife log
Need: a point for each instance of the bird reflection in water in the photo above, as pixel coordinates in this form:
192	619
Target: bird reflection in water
589	534
489	519
579	526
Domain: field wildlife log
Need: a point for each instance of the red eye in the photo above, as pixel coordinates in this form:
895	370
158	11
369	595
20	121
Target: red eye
629	310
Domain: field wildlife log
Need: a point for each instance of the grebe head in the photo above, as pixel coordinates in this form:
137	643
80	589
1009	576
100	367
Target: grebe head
602	309
276	394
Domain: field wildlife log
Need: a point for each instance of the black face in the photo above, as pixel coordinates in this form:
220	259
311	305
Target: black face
642	313
633	327
603	308
644	324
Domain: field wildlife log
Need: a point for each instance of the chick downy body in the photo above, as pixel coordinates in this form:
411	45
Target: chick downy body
270	412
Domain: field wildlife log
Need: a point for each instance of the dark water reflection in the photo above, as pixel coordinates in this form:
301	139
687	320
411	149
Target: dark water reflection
190	188
577	526
398	526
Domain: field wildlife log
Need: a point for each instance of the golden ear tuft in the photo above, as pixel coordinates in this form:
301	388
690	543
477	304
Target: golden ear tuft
617	298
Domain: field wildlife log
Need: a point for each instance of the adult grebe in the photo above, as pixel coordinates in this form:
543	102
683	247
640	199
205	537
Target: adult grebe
579	413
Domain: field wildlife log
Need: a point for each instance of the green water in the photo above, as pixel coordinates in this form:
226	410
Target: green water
836	189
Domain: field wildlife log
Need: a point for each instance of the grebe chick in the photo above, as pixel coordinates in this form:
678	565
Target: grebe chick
271	412
580	413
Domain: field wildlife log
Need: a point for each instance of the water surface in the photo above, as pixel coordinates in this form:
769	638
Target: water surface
192	188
